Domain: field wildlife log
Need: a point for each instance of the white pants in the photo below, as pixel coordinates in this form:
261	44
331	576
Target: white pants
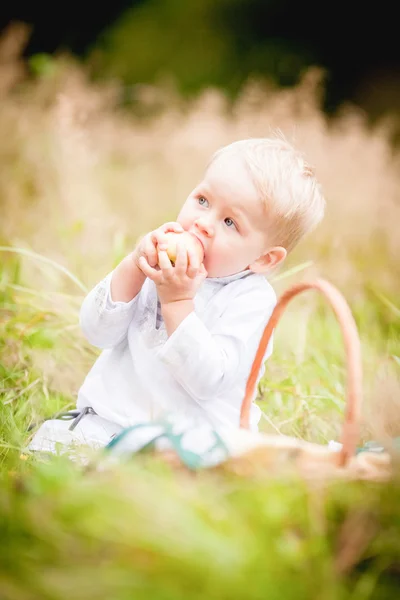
56	436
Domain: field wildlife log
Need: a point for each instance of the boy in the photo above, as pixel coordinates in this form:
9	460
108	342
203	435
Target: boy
182	338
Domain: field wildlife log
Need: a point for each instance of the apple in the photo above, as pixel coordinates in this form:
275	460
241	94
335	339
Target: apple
190	241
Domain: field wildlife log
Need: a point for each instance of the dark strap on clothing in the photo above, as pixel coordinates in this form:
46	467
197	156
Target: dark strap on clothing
71	415
88	410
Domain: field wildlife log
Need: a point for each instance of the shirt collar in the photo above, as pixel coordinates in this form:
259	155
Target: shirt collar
230	278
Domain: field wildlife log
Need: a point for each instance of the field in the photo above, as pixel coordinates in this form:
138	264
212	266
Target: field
82	176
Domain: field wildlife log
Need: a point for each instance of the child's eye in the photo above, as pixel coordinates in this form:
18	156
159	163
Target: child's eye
230	222
202	201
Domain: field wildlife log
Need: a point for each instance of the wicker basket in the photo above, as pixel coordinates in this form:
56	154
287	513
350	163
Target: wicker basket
275	453
353	356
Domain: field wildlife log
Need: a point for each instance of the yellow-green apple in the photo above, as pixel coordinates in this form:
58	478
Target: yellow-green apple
190	242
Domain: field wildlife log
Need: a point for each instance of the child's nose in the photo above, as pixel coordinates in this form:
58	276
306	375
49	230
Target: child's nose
205	227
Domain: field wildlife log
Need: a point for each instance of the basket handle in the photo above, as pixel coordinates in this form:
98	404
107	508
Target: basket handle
352	345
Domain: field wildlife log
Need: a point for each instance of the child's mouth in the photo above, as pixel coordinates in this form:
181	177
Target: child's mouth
199	240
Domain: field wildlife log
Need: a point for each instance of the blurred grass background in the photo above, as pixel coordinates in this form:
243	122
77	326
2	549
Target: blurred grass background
83	173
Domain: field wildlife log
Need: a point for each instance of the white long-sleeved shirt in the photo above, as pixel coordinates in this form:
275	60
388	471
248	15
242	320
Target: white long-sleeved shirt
201	370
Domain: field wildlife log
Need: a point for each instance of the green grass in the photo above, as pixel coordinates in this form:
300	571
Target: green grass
141	530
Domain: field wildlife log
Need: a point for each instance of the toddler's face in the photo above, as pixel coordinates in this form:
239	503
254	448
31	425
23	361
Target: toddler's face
225	213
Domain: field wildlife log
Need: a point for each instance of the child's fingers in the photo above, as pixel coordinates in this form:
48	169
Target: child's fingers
159	239
151	252
181	262
151	273
159	236
165	264
172	226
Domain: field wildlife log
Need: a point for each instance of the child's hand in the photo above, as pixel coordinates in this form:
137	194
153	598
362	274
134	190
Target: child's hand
179	282
153	242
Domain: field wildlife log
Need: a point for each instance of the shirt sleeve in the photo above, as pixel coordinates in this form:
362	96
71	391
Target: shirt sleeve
104	322
207	363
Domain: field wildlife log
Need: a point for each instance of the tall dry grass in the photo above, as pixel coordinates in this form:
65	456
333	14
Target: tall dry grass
78	170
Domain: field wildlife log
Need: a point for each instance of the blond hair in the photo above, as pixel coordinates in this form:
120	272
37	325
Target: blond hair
287	185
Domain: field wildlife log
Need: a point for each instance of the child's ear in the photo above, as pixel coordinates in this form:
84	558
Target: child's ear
269	260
